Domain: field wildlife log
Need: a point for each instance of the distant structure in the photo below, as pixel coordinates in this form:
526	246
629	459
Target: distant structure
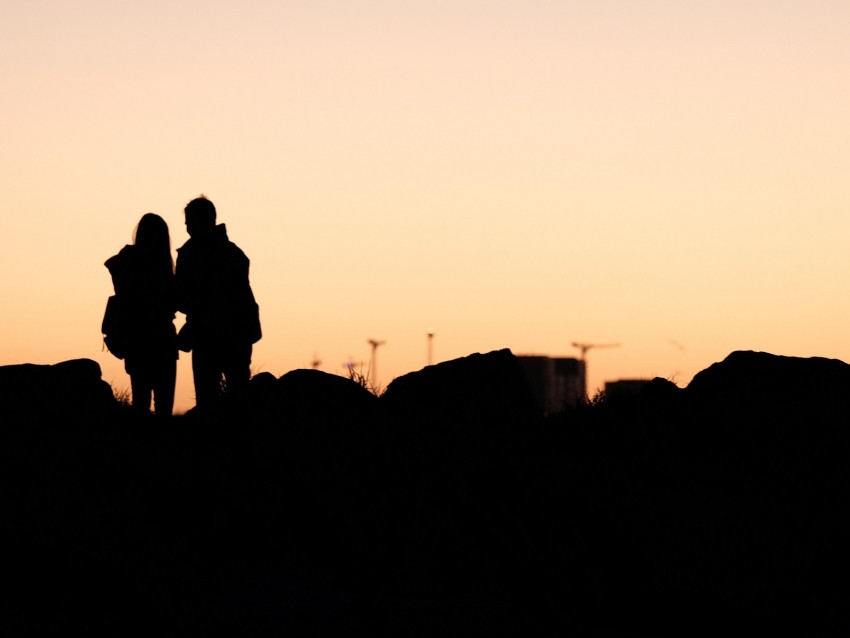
373	362
584	347
557	382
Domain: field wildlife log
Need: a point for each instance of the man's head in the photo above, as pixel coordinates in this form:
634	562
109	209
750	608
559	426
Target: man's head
200	216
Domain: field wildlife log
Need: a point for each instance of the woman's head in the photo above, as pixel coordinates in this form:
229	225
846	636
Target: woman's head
151	234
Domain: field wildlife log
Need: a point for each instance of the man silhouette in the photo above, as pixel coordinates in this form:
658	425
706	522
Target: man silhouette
222	316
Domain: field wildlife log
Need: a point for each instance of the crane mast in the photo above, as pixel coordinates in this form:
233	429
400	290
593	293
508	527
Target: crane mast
584	347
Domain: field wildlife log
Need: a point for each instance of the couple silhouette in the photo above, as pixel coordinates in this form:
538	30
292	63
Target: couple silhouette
209	284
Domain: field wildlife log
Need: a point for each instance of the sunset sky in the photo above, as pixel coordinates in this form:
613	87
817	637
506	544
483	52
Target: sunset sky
669	175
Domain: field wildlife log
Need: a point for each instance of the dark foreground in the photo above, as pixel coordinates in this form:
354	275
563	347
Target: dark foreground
447	507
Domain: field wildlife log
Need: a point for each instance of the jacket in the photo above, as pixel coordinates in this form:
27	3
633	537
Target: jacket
214	290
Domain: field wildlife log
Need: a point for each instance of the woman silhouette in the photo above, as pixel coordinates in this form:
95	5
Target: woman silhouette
143	273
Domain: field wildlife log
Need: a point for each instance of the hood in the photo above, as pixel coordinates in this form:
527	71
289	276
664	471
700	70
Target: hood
117	262
216	235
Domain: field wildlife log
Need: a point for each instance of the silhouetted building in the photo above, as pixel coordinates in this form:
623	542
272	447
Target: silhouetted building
557	382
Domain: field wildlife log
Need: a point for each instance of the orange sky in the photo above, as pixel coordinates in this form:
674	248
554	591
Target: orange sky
669	176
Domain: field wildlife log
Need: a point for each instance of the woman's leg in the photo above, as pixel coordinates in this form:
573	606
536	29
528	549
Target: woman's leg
141	388
163	389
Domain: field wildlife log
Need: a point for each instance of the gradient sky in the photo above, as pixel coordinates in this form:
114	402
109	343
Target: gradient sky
668	175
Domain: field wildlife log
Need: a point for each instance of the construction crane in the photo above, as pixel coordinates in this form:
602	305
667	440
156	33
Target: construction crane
373	364
584	347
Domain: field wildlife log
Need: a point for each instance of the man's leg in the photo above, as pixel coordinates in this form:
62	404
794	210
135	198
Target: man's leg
206	374
237	367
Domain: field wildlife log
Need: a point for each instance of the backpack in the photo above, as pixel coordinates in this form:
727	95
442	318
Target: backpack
117	326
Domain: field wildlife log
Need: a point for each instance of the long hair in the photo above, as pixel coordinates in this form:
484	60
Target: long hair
151	236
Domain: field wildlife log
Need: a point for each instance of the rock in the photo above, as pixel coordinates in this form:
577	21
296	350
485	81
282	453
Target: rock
479	392
70	390
754	382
